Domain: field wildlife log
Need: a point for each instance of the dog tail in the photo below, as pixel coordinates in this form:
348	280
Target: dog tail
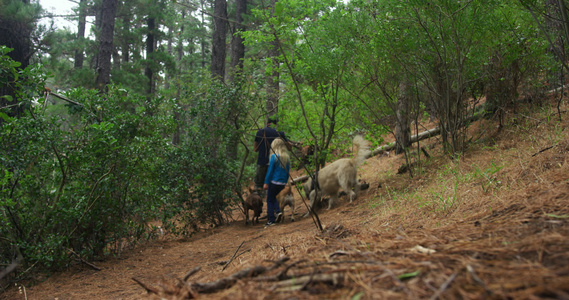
362	150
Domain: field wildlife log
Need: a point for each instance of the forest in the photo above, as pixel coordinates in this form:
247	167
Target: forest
146	111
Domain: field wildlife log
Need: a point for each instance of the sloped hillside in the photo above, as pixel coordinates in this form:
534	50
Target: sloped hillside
493	223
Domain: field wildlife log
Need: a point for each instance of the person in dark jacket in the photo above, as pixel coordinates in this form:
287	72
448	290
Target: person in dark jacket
263	139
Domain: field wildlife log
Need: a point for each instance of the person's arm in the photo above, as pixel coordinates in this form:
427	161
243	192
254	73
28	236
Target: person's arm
269	172
258	140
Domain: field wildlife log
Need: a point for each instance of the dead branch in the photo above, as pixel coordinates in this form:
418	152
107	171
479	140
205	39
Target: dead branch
191	273
281	275
12	267
300	283
84	261
227	282
477	279
444	286
232	257
9	269
543	150
147	288
65	99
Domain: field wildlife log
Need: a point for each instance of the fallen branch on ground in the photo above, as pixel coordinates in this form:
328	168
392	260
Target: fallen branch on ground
232	257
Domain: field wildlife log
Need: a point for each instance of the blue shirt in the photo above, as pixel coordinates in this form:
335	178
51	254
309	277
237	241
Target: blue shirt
276	174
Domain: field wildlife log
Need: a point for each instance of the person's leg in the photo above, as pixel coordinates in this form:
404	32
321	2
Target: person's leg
272	203
260	174
270	208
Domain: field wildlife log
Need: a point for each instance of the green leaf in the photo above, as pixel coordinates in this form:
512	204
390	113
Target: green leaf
5	117
558	216
8	97
409	275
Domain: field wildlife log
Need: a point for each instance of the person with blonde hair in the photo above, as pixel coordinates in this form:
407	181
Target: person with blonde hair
276	178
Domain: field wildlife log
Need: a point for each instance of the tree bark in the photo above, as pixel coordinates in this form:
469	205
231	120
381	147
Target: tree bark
79	53
108	12
402	128
150	42
16	34
237	46
273	79
218	51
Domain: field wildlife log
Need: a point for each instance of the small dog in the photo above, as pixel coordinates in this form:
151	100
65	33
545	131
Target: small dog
339	174
255	203
285	198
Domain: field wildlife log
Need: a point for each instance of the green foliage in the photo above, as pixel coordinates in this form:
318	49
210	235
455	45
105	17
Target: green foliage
89	178
198	173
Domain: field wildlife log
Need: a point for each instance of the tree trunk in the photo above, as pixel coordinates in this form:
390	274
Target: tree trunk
125	41
150	42
177	116
202	37
402	128
273	79
108	11
237	46
218	51
79	53
235	70
15	33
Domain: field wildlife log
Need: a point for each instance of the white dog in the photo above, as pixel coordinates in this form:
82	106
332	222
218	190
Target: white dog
339	174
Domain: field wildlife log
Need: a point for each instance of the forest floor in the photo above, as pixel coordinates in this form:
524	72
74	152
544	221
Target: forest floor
491	224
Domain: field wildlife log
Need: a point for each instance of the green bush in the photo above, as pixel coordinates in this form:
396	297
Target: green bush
87	180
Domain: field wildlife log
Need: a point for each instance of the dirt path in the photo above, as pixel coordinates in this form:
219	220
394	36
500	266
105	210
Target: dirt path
494	224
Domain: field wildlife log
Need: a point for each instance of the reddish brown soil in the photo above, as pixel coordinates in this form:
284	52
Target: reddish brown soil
492	224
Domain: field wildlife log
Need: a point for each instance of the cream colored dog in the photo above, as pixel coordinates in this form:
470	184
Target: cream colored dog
285	198
339	174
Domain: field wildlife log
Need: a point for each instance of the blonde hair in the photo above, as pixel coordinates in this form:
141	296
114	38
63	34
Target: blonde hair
279	148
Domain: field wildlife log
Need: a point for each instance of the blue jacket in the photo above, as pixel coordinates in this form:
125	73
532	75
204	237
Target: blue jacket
276	174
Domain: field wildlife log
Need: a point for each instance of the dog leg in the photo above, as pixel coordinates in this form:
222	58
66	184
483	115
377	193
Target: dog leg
312	201
332	200
353	196
292	211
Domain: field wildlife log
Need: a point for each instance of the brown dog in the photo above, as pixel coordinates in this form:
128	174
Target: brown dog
255	203
339	174
285	198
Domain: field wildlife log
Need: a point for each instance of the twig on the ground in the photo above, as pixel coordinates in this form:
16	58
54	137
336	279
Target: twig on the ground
477	279
191	273
227	282
281	275
444	286
233	257
84	261
147	288
300	283
543	150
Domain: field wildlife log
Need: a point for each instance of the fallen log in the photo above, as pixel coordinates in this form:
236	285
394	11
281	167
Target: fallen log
477	114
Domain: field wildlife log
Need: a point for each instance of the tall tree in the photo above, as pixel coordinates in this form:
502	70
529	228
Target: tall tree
150	44
218	51
108	12
402	128
273	79
17	20
81	24
237	46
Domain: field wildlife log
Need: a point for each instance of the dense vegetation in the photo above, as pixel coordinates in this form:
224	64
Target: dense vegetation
159	125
